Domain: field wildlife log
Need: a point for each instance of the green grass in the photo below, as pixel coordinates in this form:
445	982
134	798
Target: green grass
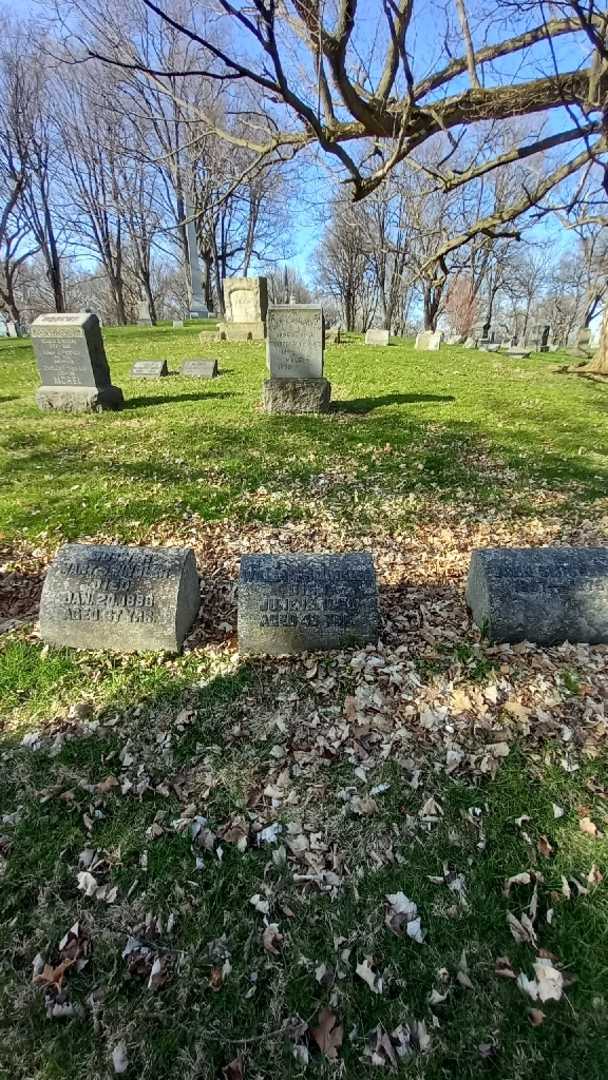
424	456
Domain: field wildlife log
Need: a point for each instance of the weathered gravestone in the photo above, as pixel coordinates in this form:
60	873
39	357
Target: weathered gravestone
13	329
376	337
127	599
294	357
3	332
144	317
178	324
149	369
72	364
199	369
297	603
246	305
538	336
429	340
545	595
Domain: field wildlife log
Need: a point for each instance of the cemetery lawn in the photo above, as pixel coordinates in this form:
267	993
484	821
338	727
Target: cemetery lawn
196	851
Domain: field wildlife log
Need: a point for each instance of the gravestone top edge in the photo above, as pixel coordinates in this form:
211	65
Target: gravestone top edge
75	319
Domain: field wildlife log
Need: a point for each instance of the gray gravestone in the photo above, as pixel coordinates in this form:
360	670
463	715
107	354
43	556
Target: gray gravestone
126	599
294	357
3	332
178	324
294	347
299	603
199	369
545	595
149	369
376	337
72	364
428	340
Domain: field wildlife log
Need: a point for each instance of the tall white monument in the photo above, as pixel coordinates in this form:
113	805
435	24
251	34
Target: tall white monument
198	308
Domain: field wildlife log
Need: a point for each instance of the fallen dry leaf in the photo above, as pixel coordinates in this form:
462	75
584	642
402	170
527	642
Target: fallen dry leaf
272	939
234	1070
120	1059
328	1034
373	978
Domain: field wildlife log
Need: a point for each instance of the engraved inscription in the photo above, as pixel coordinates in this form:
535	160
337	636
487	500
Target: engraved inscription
295	342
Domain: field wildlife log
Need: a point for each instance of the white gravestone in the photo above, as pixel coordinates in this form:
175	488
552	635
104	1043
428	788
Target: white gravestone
429	340
376	337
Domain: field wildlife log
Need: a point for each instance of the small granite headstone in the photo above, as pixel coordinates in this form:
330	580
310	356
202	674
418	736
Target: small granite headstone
178	324
72	364
199	369
3	331
149	369
545	595
294	349
429	340
127	599
299	603
294	357
376	337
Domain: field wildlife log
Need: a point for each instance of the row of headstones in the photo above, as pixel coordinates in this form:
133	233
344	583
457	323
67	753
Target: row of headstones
75	373
131	599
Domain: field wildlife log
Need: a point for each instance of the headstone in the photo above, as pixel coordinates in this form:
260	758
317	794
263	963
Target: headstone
149	369
482	332
199	369
538	336
13	329
246	305
332	336
72	364
178	324
376	337
299	603
127	599
545	595
294	357
294	349
429	340
143	313
198	307
518	351
3	332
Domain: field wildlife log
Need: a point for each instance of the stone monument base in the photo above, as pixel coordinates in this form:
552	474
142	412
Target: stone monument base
241	331
297	395
79	399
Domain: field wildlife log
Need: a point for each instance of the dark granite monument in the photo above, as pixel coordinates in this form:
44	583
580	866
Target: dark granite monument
546	595
149	369
295	603
72	364
199	369
127	599
294	357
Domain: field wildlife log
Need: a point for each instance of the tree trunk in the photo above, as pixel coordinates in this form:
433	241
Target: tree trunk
599	364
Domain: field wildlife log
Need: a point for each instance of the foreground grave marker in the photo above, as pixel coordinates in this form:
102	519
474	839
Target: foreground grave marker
199	369
297	603
294	357
126	599
72	364
545	595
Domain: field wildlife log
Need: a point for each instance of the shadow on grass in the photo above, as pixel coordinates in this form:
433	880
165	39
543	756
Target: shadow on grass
170	399
7	397
368	404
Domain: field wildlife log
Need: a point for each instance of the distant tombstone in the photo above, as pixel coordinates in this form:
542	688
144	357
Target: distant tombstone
299	603
149	369
72	364
246	305
199	369
3	332
428	340
518	351
294	357
143	314
538	337
545	595
127	599
481	332
333	336
178	324
376	337
13	329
